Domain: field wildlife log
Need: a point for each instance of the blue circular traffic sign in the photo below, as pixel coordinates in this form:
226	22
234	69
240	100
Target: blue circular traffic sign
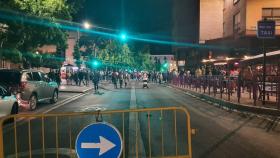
99	140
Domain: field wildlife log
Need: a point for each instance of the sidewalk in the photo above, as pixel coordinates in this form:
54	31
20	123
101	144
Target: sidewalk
245	106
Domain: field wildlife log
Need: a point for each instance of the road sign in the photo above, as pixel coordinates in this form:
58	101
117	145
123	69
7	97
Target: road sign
99	140
266	29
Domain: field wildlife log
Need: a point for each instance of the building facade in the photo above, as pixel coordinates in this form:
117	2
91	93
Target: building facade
239	26
211	20
185	29
241	16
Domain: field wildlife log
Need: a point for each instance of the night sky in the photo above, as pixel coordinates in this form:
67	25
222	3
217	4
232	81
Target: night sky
137	16
149	18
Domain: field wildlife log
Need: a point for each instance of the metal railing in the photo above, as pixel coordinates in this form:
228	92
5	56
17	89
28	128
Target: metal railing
149	132
232	88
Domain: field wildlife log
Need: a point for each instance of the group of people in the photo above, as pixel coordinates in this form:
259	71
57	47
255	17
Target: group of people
121	78
83	78
55	76
78	77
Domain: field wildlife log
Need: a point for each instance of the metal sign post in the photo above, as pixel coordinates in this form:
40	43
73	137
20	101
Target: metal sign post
266	30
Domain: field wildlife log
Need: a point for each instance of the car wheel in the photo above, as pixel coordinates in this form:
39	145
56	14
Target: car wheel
14	109
54	97
33	102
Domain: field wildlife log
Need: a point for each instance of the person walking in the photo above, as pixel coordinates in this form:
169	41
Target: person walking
95	80
57	78
121	79
114	79
126	79
76	78
81	77
87	77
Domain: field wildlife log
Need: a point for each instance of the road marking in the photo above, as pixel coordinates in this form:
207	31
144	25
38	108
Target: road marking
104	145
21	121
66	102
134	129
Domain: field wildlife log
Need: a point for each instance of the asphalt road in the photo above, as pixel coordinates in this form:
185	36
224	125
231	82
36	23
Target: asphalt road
220	133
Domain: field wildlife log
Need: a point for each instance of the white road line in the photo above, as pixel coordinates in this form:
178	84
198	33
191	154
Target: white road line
21	121
63	103
134	130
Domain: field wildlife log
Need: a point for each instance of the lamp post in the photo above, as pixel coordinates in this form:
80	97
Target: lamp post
85	25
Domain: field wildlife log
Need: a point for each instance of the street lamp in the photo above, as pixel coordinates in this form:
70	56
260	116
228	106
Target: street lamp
86	25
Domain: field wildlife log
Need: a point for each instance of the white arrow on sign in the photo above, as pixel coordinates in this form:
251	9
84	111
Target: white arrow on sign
104	145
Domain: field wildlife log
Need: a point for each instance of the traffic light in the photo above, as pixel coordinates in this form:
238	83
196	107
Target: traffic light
95	63
164	67
123	36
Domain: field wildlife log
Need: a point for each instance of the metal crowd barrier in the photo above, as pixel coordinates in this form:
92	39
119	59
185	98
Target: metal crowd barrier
225	87
163	132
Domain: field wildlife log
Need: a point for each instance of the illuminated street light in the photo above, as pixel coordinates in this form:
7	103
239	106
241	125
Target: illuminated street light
86	25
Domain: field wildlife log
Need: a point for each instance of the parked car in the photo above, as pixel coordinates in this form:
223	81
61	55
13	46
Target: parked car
8	102
33	86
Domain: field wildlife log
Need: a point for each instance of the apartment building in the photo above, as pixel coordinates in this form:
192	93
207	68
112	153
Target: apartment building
239	25
241	16
211	20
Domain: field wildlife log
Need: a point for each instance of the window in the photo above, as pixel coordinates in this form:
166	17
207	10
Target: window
36	76
271	14
2	91
235	1
26	77
236	22
45	77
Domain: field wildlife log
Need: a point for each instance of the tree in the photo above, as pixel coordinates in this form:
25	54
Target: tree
51	61
34	23
11	54
77	55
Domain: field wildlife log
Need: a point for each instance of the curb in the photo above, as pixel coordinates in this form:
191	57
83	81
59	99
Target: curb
230	105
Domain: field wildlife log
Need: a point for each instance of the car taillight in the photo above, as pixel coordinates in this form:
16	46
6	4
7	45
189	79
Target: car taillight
22	85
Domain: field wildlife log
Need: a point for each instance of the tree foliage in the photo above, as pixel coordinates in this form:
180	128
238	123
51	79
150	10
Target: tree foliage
77	55
30	24
112	52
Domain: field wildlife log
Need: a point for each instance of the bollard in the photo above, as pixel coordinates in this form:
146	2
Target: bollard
239	88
